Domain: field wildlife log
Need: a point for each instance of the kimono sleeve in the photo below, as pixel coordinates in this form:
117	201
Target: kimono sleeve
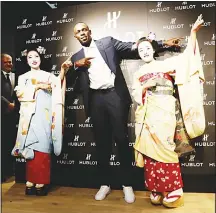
57	114
173	64
25	90
137	89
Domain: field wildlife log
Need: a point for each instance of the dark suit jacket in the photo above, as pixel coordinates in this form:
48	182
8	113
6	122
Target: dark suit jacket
12	97
112	51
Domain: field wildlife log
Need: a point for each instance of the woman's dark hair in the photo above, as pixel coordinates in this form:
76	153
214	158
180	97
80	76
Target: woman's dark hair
35	50
154	44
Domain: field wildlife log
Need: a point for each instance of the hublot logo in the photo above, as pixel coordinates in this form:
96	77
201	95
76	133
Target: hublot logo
159	8
131	144
207	103
113	162
205	63
208	5
173	25
204	144
69	125
212	42
53	69
24	25
20	160
44	22
88	161
64	160
205	137
112	19
54	37
210	82
93	144
191	162
77	144
76	106
68	89
76	138
64	53
86	124
131	125
185	6
33	40
65	19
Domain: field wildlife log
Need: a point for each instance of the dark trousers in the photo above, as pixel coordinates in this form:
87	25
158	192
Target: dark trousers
109	116
8	137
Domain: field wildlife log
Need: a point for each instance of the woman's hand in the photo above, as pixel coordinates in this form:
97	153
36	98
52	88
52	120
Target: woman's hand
66	65
198	23
44	86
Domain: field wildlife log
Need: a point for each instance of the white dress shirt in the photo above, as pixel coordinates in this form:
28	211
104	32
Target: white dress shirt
5	74
100	74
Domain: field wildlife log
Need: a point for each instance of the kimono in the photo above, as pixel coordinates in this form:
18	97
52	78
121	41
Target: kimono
41	122
158	121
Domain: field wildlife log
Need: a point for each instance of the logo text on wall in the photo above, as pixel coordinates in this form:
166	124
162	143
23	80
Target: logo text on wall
54	37
173	25
65	19
33	39
185	6
159	8
112	18
24	25
44	22
88	161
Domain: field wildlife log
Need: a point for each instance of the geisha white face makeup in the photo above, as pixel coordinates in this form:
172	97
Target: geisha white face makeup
34	60
146	51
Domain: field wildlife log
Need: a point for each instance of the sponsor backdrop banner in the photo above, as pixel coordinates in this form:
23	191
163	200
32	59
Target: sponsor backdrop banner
52	33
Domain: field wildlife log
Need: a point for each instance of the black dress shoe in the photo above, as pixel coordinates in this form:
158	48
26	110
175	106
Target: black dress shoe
30	190
42	191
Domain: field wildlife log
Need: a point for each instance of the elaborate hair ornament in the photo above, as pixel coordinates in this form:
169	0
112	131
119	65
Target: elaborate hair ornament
151	36
24	52
41	50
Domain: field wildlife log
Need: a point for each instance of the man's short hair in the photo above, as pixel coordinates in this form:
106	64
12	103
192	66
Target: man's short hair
81	23
5	55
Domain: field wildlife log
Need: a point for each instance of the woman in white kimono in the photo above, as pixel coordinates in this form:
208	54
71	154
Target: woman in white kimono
41	96
157	116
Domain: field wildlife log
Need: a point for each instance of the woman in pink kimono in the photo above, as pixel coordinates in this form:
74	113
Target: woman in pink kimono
41	95
158	116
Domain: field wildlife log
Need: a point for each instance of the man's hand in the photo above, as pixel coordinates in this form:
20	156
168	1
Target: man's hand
84	62
11	107
173	42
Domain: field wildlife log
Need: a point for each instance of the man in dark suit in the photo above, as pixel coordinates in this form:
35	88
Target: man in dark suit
8	118
106	100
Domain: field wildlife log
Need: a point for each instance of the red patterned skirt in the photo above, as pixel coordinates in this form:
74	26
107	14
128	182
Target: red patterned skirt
38	169
162	177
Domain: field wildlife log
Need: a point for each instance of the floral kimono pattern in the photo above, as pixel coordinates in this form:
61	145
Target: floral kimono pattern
41	115
158	116
161	120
